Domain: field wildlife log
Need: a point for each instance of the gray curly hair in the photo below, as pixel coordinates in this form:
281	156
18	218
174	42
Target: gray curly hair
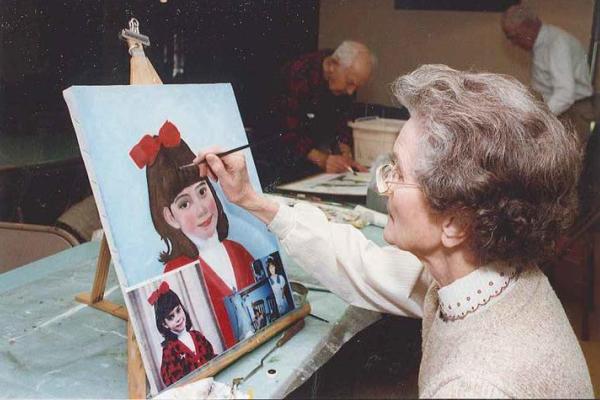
493	153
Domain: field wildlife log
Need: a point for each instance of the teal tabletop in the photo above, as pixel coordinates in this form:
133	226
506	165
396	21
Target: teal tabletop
53	346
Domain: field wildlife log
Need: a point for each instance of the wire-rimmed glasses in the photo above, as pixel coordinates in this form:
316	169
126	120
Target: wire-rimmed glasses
387	175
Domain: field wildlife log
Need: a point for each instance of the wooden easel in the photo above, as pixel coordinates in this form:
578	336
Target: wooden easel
143	73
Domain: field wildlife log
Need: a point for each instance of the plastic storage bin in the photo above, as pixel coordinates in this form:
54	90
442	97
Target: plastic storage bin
374	137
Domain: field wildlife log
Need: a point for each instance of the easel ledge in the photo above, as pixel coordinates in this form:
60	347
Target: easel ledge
142	72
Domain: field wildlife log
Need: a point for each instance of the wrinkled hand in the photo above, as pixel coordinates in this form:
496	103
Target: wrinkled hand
356	165
337	164
231	173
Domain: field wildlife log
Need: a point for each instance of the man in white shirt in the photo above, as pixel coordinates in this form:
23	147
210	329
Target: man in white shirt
559	69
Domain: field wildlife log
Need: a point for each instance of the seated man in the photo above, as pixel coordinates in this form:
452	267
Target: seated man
559	67
312	107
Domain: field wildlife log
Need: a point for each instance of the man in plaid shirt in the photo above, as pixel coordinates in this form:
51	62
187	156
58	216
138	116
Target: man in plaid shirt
312	108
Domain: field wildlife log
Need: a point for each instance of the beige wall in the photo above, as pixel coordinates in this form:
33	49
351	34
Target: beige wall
402	40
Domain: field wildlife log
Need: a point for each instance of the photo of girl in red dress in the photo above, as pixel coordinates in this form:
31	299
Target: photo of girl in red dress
183	349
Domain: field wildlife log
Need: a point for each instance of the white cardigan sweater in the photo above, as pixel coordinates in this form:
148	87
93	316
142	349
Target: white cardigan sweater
519	345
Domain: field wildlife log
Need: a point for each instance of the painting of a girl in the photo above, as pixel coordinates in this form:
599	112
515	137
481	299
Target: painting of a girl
189	217
184	349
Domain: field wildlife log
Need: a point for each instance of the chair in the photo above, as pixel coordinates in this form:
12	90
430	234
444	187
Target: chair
25	243
579	250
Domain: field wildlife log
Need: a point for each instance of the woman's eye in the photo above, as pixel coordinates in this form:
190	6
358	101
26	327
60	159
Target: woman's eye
183	204
202	191
170	317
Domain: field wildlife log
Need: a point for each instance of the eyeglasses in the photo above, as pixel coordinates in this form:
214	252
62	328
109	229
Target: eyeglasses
388	174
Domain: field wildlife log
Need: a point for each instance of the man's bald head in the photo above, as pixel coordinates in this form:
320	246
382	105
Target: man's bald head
349	67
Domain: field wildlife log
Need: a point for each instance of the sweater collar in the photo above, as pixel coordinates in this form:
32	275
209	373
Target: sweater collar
469	293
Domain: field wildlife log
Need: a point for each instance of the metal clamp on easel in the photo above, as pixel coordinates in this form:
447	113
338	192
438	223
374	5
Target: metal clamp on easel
141	70
134	38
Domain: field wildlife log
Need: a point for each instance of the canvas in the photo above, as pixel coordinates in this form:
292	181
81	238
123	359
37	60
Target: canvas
198	273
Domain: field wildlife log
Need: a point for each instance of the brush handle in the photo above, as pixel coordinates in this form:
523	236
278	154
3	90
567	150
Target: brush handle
290	333
226	153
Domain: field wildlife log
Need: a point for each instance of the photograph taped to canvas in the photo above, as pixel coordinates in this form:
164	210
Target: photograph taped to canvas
256	306
173	235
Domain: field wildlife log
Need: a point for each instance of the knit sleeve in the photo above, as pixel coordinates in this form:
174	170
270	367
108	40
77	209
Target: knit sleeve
469	387
384	279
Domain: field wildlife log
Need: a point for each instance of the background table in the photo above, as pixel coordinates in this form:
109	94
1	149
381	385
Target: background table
41	175
54	347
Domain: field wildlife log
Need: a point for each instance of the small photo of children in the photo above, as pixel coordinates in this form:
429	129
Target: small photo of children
279	283
252	309
179	327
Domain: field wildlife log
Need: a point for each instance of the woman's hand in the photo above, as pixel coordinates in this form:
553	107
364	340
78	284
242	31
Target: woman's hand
232	175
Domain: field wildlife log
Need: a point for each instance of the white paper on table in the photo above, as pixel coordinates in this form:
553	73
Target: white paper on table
346	184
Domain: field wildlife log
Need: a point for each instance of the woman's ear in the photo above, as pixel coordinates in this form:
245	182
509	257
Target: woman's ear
454	231
169	219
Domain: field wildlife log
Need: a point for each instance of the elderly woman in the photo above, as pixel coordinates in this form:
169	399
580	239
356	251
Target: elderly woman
482	182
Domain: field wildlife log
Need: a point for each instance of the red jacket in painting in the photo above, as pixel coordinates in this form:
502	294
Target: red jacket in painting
241	261
178	360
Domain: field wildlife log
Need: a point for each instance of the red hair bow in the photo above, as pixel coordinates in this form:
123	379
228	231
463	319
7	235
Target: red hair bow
144	153
162	289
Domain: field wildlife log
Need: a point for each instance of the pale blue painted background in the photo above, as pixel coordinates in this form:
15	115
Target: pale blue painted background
110	120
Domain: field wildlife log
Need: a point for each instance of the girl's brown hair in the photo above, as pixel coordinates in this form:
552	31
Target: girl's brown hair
165	182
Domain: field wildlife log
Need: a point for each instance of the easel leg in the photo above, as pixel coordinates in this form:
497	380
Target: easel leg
135	370
142	72
101	276
96	297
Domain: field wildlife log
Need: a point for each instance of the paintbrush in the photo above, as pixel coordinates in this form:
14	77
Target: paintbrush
225	153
